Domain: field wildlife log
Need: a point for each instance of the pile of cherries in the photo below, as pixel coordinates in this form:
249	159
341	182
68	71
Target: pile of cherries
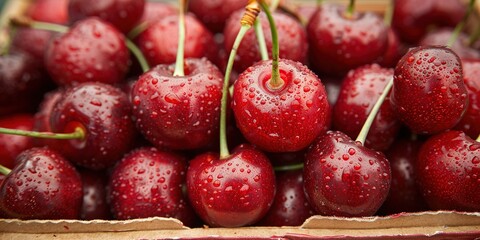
108	115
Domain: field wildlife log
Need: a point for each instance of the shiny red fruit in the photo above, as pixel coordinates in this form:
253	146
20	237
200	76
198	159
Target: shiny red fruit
214	13
155	11
343	178
43	185
441	37
448	168
429	94
231	192
12	145
471	119
52	11
285	119
42	117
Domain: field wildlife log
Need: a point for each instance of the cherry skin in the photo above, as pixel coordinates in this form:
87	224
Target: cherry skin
42	117
179	112
33	42
286	119
292	40
123	14
159	49
155	11
394	50
91	51
12	145
43	185
471	118
52	11
104	112
94	204
404	194
428	92
339	43
231	192
448	168
214	13
412	19
440	37
343	178
290	207
359	92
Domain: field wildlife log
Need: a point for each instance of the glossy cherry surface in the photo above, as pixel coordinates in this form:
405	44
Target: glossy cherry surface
440	37
12	145
214	13
471	118
52	11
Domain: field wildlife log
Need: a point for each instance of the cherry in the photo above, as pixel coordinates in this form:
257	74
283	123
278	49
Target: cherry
404	194
146	183
53	11
359	91
32	41
155	11
215	13
43	185
280	119
42	117
12	145
290	207
340	41
103	113
344	178
161	50
469	123
412	19
234	191
123	14
448	168
92	50
292	39
179	112
394	50
429	94
94	204
441	37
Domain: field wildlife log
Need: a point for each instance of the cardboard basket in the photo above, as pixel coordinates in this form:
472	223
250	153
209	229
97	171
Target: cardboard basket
421	225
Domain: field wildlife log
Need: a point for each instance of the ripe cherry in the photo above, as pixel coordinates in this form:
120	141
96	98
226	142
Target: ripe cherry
214	13
471	76
12	145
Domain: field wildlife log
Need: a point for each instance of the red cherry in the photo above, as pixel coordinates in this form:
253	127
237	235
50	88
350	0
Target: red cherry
214	13
43	185
94	204
448	168
231	192
179	112
91	51
440	37
52	11
123	14
42	117
471	118
104	113
32	41
394	50
286	119
339	43
359	92
344	178
155	11
428	93
12	145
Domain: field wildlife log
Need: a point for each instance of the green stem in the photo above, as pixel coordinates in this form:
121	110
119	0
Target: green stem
373	113
224	153
137	30
5	49
179	64
387	18
458	29
4	171
274	5
138	54
46	26
478	138
276	81
79	133
261	39
350	9
474	37
289	167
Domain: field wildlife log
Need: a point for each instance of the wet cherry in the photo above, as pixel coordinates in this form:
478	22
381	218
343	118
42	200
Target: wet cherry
12	145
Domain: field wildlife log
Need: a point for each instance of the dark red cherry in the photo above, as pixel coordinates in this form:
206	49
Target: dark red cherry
12	145
52	11
440	37
214	13
284	119
155	11
290	207
231	192
179	112
428	93
344	178
448	169
394	51
43	185
94	204
339	43
104	113
123	14
33	42
292	40
42	117
471	119
359	92
91	51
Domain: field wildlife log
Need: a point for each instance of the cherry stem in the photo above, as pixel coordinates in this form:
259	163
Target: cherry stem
274	5
137	30
4	171
276	81
373	113
350	9
387	18
478	138
474	37
5	49
179	64
224	153
79	133
289	167
261	39
458	29
138	55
